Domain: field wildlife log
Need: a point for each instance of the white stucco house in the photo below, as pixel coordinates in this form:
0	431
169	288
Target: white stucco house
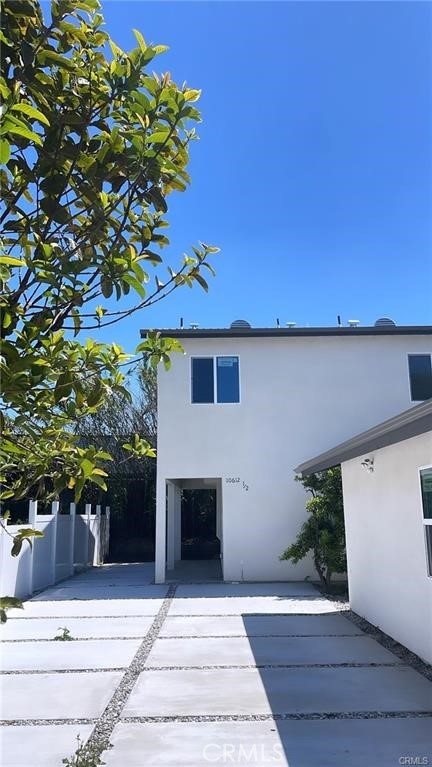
243	406
387	489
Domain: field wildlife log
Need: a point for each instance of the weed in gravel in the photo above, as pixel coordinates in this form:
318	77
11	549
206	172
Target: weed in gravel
86	755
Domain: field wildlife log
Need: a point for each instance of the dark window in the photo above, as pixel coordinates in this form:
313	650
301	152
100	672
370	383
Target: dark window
202	379
426	489
420	372
428	534
426	492
227	373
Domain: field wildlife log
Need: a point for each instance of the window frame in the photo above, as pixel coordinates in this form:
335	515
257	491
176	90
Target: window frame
425	522
416	354
214	357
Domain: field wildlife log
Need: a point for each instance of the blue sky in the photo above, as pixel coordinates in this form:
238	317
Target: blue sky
313	173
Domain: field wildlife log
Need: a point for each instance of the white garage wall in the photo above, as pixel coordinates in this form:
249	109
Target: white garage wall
299	396
387	568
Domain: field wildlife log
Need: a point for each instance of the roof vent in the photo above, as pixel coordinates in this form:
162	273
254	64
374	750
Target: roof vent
291	324
353	323
194	325
240	324
384	321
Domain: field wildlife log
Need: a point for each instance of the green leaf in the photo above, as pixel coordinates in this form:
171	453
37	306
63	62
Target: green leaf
87	467
140	40
106	286
4	151
49	57
16	546
21	130
134	283
159	137
201	281
157	198
30	111
54	211
192	95
11	261
7	603
99	481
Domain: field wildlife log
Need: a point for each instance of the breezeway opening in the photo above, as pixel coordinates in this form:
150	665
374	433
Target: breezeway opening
193	546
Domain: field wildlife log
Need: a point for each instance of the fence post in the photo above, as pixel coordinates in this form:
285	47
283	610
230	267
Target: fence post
107	531
97	548
72	512
87	546
32	523
54	511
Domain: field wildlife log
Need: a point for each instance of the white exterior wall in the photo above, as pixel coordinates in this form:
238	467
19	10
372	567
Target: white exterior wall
387	567
299	397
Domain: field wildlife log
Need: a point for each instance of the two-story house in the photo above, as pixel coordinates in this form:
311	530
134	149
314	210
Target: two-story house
243	406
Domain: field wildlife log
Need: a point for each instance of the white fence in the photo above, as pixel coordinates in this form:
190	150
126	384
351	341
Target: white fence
71	542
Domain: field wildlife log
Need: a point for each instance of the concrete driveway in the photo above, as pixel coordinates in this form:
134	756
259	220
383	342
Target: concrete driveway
202	674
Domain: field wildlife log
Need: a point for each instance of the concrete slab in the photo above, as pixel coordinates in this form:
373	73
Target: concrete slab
321	743
195	571
105	592
87	608
56	696
142	573
80	628
65	656
262	625
40	746
262	651
278	691
245	605
292	589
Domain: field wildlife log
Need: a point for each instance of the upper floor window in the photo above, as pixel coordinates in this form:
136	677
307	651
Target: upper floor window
420	373
215	379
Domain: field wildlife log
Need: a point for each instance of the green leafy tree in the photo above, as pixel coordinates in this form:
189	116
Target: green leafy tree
91	145
323	533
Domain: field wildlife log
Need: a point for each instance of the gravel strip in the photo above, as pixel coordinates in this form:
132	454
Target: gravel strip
99	739
38	722
278	717
245	636
61	671
228	718
74	617
271	665
402	652
73	639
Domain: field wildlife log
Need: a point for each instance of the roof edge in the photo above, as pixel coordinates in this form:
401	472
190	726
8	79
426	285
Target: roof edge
411	423
391	330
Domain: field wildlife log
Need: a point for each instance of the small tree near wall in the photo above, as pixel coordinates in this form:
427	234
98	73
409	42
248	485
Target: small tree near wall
323	533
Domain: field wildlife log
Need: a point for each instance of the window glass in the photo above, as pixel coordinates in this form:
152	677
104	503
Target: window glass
227	374
428	534
202	379
426	489
420	372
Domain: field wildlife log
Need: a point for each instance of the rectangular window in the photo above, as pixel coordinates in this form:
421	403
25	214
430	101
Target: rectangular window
227	376
426	489
426	494
215	379
202	380
420	373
